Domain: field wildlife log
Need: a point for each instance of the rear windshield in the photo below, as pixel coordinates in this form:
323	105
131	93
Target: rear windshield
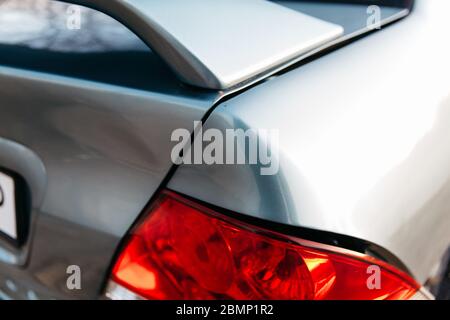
75	41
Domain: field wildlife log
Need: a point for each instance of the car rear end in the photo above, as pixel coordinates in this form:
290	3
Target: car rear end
103	143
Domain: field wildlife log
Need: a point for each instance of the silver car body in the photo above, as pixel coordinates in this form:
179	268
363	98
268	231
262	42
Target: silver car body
363	153
364	147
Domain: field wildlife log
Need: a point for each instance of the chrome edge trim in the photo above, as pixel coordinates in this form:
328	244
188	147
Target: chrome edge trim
115	291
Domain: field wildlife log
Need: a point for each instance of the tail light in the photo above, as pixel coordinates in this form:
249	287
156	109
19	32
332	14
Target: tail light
182	250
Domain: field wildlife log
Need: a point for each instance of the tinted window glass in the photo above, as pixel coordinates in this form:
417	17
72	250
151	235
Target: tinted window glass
74	41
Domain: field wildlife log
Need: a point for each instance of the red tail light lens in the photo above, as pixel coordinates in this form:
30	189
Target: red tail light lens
184	251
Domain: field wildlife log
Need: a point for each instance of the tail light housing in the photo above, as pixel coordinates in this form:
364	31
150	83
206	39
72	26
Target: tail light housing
183	250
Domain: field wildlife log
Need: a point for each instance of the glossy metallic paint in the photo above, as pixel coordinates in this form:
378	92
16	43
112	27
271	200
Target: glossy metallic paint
363	143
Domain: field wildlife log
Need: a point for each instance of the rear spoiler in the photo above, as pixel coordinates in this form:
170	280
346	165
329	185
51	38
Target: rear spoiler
218	44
